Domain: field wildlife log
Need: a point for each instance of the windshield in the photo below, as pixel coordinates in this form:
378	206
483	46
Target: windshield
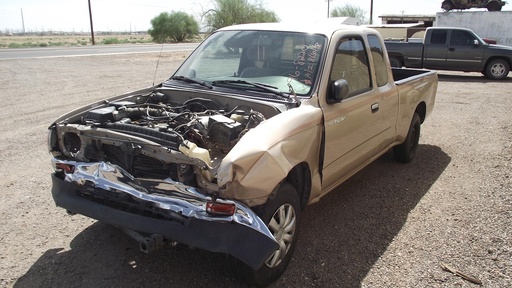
286	61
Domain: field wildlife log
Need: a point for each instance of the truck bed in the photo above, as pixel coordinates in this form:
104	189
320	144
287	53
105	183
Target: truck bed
410	53
402	75
414	86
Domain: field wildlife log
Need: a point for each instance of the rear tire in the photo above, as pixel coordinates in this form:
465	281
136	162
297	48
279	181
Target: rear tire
282	215
395	62
494	6
497	69
406	151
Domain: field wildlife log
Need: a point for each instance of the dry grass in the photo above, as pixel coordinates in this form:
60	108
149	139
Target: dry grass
70	40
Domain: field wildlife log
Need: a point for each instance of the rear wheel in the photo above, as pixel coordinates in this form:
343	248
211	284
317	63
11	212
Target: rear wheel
406	151
282	215
497	69
394	61
494	6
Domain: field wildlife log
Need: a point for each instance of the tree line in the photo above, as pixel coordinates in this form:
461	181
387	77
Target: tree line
180	26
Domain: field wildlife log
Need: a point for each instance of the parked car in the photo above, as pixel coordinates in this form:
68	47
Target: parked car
455	49
491	5
260	121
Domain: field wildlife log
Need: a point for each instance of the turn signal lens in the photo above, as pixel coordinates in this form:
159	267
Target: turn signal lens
67	168
216	208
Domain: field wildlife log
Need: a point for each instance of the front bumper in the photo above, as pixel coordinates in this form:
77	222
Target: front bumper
108	193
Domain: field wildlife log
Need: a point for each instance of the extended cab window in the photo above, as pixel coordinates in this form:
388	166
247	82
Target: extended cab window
381	70
351	64
460	37
438	37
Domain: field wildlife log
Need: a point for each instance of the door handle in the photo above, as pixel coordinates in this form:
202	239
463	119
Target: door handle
375	107
451	49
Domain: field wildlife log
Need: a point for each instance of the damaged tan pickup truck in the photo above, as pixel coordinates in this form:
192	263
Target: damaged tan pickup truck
260	121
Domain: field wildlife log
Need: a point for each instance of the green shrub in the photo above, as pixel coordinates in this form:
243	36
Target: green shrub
55	43
174	26
43	44
110	40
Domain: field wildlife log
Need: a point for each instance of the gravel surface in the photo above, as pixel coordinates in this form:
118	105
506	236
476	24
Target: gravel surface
391	225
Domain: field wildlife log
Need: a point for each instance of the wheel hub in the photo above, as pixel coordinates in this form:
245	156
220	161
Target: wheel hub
282	225
498	70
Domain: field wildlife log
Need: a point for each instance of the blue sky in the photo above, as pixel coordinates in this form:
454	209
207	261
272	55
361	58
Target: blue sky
133	15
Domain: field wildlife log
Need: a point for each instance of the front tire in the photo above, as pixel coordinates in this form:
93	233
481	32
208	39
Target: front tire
447	5
497	69
406	151
282	215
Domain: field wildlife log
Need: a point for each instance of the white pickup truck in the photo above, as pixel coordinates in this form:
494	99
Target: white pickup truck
260	121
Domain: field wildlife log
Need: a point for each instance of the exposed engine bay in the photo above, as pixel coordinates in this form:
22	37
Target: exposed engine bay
155	136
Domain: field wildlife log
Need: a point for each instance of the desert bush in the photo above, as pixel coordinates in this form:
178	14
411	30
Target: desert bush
111	40
175	26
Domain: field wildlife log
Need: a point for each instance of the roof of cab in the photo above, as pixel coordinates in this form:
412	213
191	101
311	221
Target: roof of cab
326	29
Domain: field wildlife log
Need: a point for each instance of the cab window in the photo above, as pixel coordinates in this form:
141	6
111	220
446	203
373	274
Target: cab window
351	64
438	37
381	68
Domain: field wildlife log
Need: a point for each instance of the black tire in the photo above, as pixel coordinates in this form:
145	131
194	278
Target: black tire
395	61
494	6
447	6
406	151
285	202
497	69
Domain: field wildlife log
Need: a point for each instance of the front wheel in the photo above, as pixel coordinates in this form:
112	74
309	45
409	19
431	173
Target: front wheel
406	151
282	215
447	6
497	69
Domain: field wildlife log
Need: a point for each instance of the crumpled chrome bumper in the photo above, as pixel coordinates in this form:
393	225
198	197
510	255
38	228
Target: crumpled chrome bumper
108	193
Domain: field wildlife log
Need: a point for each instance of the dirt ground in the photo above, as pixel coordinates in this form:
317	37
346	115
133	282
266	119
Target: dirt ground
391	225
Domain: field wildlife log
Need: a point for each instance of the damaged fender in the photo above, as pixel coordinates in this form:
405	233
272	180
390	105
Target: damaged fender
256	165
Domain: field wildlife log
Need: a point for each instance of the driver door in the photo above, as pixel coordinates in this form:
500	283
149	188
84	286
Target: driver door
351	126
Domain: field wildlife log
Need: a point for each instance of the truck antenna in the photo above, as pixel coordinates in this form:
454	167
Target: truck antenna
157	62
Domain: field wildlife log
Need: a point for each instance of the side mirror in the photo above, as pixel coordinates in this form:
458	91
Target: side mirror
339	91
476	43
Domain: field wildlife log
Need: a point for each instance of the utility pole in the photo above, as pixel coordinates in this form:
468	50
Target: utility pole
371	12
22	21
328	9
90	17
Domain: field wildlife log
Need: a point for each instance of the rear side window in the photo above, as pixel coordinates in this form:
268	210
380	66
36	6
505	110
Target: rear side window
381	70
351	64
438	37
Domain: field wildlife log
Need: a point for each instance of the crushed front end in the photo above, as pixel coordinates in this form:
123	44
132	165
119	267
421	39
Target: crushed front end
147	163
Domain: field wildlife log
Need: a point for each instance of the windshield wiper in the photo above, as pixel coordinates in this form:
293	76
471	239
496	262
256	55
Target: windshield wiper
192	80
264	87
